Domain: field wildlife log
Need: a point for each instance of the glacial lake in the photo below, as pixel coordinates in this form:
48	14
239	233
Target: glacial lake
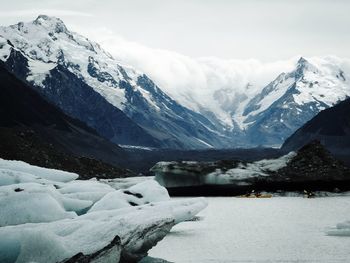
278	229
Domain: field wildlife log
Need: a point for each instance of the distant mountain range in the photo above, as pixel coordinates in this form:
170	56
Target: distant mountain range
128	108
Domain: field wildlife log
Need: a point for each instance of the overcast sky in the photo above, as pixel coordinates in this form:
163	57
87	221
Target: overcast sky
266	30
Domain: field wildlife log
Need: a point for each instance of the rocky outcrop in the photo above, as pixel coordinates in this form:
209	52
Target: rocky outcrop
314	162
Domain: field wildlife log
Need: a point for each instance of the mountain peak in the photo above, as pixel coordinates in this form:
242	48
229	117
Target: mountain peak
51	23
304	65
302	60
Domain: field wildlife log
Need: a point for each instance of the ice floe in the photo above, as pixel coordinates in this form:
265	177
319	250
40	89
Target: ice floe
49	216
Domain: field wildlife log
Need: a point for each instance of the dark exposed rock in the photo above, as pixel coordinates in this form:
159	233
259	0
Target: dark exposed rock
134	250
110	253
331	127
314	162
34	131
138	195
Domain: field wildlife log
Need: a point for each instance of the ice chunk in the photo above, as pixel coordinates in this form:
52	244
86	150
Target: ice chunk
67	203
80	186
45	173
121	224
149	191
123	183
53	242
341	229
8	177
139	194
22	207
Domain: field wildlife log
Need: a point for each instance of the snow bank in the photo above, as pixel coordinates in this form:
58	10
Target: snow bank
78	219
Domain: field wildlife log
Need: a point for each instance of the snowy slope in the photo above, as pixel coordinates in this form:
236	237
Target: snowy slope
52	54
294	98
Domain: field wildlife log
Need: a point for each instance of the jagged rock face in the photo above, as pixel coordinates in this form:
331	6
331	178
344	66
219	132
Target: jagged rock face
82	79
331	127
312	167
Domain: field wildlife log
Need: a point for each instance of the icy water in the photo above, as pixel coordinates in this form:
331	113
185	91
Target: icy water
279	229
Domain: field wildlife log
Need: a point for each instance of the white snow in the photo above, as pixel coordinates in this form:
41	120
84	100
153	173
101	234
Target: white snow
327	84
205	143
217	85
38	71
136	147
5	49
210	86
278	229
280	86
43	45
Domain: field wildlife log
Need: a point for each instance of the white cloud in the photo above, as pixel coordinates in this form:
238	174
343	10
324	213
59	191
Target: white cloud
193	81
30	13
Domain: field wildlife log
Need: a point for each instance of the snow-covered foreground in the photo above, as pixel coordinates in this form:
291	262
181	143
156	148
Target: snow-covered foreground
279	229
48	216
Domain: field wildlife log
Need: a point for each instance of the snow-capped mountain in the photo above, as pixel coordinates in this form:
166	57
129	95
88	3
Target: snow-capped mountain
265	112
127	107
292	99
86	82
